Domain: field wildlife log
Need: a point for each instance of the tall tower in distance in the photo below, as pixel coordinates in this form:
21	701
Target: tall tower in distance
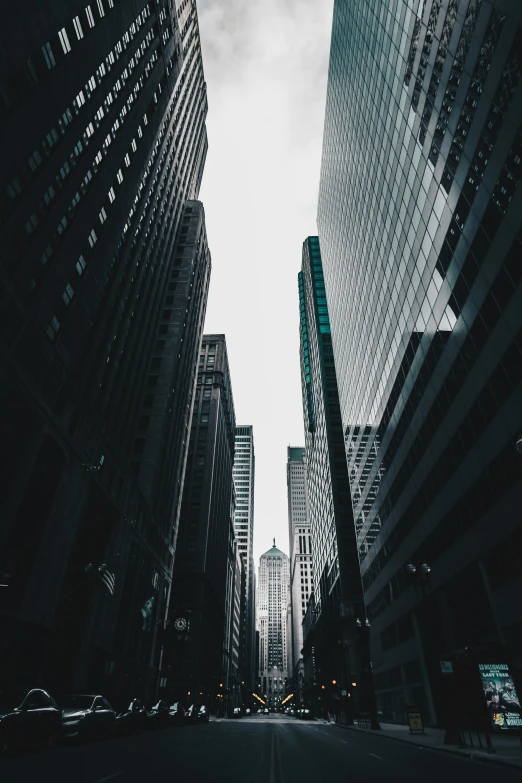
244	476
301	575
272	623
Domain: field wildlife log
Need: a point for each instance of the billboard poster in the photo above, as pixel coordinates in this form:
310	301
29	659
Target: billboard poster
502	700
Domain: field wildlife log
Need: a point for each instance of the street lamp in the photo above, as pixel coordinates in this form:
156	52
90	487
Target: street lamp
419	574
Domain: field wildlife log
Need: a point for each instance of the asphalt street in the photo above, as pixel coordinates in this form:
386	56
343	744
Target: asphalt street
260	749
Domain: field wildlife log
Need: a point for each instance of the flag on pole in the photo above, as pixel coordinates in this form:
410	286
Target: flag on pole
146	611
101	573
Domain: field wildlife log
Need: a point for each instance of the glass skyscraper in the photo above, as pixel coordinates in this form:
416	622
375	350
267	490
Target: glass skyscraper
334	634
420	216
244	476
301	574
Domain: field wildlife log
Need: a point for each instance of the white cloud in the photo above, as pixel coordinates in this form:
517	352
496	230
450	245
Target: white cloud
266	68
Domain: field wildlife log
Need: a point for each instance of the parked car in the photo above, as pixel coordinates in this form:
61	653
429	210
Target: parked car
87	716
290	712
132	719
236	713
177	714
306	715
266	711
29	718
191	713
158	717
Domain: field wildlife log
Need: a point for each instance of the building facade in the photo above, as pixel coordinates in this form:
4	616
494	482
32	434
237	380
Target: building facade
244	477
420	214
272	624
337	633
103	288
205	561
301	574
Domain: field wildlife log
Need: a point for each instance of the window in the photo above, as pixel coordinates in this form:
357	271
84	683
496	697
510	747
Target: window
101	9
64	40
92	239
48	55
119	177
78	27
53	327
90	17
127	160
112	195
68	293
47	253
103	215
37	700
80	265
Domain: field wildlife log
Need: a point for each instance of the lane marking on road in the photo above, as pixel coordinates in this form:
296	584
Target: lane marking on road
280	762
272	744
344	742
376	756
109	777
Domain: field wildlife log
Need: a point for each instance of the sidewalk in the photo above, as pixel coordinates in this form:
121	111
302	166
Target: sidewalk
508	749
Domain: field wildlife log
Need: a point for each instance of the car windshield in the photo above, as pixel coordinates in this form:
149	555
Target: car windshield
11	699
77	702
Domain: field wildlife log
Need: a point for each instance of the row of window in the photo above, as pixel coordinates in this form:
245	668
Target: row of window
141	190
17	86
44	151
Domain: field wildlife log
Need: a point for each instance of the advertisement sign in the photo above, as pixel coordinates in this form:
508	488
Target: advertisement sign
446	667
502	700
414	719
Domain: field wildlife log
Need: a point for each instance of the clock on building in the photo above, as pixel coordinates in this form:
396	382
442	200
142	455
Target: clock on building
180	624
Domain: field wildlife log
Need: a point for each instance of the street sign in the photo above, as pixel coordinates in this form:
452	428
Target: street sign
446	667
415	720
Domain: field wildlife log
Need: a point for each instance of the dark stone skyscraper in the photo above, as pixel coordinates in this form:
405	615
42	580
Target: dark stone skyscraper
420	218
104	272
205	562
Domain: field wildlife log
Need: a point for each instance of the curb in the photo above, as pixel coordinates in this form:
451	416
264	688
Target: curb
470	754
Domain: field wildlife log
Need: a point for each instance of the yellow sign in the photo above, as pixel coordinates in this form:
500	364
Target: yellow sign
415	721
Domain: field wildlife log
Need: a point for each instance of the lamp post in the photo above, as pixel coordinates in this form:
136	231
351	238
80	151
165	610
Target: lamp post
346	703
419	575
366	672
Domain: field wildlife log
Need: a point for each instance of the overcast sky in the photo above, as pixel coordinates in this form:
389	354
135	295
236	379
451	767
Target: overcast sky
265	64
